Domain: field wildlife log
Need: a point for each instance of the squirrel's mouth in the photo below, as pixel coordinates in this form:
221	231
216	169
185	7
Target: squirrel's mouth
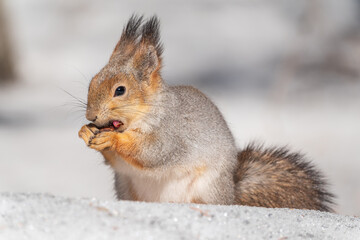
112	126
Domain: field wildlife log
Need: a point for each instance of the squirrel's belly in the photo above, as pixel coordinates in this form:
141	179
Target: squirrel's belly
176	185
164	190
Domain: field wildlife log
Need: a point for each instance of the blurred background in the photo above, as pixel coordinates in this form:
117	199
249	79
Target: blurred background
282	72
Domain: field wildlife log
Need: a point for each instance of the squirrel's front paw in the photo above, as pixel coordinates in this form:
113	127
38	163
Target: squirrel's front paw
103	140
88	132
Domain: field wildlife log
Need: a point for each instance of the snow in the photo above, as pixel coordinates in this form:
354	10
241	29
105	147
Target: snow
44	216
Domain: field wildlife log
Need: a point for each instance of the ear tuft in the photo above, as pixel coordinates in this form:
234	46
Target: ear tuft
151	34
130	32
129	36
147	57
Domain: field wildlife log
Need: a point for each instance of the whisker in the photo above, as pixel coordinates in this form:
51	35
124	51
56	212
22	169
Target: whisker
75	104
74	97
66	106
73	109
77	118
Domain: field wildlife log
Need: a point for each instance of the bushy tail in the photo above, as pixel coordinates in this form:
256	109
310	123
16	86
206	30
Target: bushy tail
277	178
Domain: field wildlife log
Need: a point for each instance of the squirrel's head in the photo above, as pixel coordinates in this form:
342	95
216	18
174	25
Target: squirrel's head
122	91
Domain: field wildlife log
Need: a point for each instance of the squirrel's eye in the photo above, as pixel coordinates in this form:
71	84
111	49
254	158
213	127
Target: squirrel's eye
119	91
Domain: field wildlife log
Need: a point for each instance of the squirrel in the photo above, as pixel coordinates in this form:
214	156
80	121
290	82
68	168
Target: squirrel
172	144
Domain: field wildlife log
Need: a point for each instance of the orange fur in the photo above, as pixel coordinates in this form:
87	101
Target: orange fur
198	201
155	83
132	161
109	157
127	147
198	172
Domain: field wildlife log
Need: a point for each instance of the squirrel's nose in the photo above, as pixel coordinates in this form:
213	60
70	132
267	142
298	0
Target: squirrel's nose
91	117
93	120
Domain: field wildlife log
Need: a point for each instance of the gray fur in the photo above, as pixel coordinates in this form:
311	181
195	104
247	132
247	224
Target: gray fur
190	130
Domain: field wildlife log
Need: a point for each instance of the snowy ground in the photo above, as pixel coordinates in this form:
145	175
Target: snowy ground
42	216
232	51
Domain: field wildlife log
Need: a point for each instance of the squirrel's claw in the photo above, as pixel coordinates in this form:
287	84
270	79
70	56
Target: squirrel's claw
88	132
102	141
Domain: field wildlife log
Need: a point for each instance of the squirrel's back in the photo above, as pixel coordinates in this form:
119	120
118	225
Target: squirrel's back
199	116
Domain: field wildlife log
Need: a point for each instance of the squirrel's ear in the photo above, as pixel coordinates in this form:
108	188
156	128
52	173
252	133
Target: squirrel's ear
145	62
147	57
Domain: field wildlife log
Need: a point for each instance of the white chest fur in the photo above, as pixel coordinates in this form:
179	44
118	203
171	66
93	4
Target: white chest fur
175	185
